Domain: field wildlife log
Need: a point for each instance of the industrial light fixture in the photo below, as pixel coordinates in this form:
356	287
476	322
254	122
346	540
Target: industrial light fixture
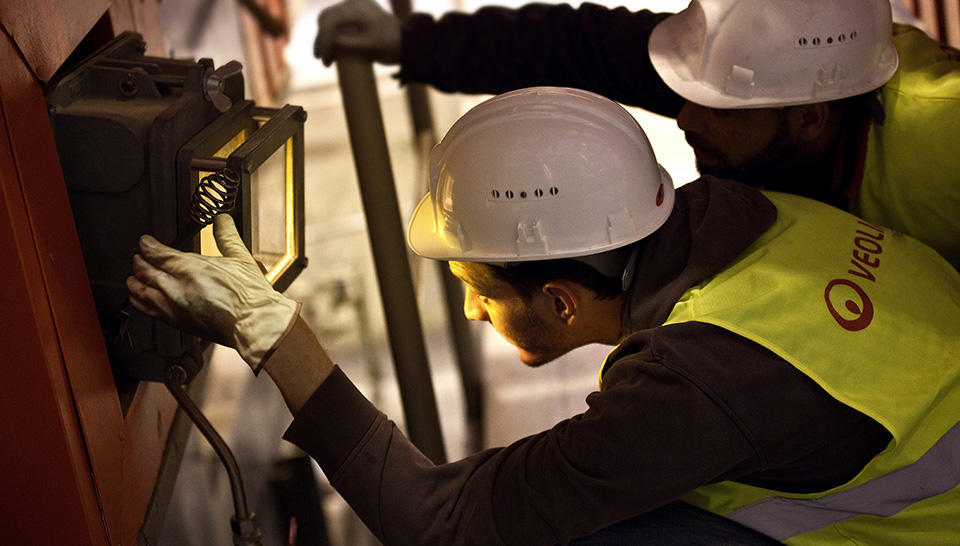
156	145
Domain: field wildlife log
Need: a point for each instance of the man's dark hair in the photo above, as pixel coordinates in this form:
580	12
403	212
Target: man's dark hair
527	278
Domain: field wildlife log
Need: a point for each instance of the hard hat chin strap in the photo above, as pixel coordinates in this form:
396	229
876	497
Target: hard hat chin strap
619	262
630	269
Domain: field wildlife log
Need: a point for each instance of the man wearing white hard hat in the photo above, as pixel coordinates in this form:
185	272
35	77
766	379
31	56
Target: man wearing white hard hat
781	366
822	98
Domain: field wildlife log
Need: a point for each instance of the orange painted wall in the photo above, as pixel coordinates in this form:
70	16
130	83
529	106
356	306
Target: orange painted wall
73	469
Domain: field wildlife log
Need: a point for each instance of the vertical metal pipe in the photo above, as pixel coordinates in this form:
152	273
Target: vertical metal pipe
465	345
467	349
385	227
401	8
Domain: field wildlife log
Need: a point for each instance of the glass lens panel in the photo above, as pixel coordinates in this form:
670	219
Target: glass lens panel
268	210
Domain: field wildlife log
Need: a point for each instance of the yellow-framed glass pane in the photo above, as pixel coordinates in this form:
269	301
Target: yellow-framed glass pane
272	212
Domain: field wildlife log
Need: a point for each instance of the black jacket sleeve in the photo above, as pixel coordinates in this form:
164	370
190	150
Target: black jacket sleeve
497	49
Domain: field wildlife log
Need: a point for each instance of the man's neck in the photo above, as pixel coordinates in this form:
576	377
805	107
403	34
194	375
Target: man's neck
610	327
601	320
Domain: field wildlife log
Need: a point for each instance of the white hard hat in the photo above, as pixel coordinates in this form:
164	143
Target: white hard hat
765	53
540	173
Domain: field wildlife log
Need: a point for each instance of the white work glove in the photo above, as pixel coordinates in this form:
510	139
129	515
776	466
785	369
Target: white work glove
358	26
224	299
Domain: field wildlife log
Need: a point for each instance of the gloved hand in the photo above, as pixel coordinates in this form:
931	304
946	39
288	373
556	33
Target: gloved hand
358	26
225	299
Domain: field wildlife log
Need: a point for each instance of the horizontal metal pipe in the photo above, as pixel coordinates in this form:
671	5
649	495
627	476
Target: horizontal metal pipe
208	163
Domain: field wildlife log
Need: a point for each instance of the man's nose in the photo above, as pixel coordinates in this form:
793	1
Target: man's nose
472	308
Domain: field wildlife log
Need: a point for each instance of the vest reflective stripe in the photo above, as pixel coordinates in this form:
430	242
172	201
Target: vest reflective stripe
936	472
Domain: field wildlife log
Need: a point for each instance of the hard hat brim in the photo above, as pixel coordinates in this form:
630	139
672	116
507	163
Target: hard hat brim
422	236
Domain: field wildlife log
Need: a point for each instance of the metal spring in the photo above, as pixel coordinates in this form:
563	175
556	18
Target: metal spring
215	193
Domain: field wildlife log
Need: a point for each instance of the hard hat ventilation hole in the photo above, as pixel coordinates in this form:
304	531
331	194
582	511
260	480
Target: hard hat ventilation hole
817	41
498	195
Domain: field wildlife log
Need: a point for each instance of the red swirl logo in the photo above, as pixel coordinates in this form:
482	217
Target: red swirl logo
862	310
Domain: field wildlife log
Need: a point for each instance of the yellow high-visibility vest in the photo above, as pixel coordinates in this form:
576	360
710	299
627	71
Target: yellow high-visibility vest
911	174
873	317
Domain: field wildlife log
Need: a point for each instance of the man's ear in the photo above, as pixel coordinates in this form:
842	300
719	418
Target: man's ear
564	300
809	121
